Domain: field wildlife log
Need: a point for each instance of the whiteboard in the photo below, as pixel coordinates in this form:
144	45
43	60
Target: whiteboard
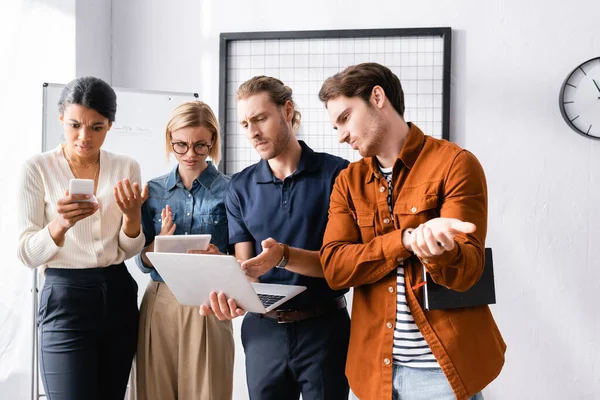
420	57
138	130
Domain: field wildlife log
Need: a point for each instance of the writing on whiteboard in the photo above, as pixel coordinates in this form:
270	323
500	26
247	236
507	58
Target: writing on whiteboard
131	130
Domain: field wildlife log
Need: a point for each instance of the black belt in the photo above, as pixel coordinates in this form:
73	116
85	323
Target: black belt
287	316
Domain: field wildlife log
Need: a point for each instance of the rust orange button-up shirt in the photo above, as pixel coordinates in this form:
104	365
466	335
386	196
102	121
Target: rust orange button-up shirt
431	178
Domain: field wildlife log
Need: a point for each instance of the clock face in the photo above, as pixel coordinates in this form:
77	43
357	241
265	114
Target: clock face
580	99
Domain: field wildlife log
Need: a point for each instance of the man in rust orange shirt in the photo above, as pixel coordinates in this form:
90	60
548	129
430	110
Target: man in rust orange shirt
413	200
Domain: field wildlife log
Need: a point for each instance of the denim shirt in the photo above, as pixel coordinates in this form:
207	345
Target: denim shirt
200	210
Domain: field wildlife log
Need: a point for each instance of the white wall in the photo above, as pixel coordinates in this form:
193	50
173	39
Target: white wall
153	40
509	60
93	39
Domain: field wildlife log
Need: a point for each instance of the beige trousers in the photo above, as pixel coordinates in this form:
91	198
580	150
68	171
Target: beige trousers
181	354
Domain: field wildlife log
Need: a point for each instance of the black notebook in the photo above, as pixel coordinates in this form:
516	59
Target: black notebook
438	297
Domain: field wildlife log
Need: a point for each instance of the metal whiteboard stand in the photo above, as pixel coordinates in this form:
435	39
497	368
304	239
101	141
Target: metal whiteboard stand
35	371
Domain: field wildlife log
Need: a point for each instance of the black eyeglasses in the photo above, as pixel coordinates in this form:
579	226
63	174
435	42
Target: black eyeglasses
200	149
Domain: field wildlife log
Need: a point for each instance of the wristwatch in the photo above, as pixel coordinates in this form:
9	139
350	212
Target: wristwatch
286	256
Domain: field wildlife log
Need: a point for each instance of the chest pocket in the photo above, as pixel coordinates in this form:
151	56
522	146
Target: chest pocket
418	210
158	222
366	224
216	225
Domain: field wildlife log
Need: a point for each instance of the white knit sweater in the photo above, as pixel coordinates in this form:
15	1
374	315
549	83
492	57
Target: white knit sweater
96	241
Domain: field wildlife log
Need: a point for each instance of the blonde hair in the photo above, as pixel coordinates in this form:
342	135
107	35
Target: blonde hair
194	114
278	92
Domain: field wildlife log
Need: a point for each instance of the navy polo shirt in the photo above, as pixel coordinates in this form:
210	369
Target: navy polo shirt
292	211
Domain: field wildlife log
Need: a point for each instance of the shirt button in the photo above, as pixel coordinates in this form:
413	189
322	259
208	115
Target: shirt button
285	202
100	254
386	361
97	239
188	214
391	289
389	325
425	261
413	210
382	189
189	195
386	221
399	259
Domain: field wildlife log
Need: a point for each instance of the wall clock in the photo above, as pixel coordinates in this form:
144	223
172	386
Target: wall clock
579	99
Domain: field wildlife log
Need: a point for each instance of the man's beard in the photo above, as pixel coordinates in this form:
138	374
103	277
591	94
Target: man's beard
375	137
282	141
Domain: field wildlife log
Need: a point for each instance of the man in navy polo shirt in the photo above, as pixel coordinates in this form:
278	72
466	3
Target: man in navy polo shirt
277	213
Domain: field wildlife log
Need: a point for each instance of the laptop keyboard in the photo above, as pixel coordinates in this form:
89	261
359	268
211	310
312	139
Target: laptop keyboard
269	299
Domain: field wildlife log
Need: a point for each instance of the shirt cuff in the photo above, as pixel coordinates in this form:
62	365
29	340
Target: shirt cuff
131	246
436	263
139	260
44	247
37	249
393	249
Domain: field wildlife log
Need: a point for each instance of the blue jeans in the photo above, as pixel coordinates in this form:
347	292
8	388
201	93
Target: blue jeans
422	384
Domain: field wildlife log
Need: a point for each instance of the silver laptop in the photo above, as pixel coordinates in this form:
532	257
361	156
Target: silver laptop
192	277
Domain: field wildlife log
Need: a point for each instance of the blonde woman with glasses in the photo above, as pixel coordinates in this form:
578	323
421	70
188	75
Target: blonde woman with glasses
182	354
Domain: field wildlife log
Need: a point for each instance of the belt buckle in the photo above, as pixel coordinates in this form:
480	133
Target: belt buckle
280	313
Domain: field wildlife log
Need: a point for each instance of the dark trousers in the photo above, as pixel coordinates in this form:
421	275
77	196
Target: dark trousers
308	357
88	321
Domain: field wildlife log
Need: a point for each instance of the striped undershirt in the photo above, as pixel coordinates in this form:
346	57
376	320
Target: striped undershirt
410	348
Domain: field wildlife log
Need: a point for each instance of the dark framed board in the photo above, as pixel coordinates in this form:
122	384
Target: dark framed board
304	59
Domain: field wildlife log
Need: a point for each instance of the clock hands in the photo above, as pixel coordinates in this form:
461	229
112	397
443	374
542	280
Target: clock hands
597	87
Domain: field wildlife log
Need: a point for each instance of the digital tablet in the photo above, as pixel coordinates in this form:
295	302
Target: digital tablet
181	243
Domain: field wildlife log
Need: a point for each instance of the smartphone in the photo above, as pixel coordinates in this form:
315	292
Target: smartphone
82	186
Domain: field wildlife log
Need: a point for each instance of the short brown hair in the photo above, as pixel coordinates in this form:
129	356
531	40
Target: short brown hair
359	81
194	114
278	92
